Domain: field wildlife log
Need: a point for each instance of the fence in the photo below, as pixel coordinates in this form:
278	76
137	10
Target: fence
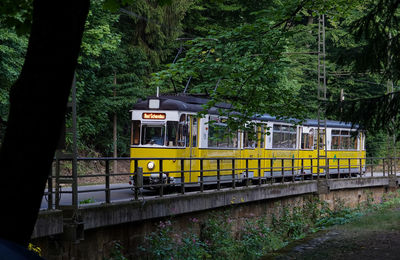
93	175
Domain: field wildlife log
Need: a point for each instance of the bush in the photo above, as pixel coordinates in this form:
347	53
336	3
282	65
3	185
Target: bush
256	237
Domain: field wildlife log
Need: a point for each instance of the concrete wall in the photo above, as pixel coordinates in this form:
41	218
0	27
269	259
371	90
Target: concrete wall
130	222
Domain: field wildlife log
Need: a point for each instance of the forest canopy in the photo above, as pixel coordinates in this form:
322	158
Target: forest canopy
259	56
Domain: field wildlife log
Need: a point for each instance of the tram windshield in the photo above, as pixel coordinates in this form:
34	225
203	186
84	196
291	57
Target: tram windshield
153	134
170	133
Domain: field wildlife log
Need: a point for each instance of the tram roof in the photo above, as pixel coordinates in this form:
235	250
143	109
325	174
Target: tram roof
182	103
191	103
307	122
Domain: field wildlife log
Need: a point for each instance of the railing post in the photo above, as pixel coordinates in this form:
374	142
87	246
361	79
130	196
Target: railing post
161	178
218	174
372	167
327	168
292	169
50	189
283	170
247	172
135	176
138	180
201	176
349	167
391	166
259	172
338	167
311	168
182	176
233	174
108	193
272	170
302	169
360	167
58	192
383	164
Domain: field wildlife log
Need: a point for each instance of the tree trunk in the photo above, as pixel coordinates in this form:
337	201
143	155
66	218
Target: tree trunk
37	107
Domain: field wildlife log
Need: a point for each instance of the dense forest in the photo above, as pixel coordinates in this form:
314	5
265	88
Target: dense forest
258	55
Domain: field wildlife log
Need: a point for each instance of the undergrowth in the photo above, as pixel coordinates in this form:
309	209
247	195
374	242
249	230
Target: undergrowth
216	237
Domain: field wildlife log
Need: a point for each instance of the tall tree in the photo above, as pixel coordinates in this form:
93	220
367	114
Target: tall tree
37	106
376	31
38	102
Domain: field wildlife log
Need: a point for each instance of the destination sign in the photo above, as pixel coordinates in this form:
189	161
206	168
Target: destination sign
158	116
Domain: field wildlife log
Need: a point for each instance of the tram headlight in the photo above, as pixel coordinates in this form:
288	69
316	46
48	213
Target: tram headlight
150	165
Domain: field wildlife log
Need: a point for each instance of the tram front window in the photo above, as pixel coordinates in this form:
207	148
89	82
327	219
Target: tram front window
153	134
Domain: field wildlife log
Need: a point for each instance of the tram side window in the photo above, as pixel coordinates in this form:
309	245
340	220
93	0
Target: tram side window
153	134
343	140
284	136
172	133
182	131
262	137
135	132
250	140
218	136
307	140
194	132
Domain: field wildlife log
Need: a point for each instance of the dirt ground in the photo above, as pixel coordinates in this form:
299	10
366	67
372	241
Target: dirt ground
372	237
93	172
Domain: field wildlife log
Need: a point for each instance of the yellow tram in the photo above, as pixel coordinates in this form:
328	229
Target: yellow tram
167	127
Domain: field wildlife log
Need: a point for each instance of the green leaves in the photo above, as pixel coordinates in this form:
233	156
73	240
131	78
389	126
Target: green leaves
243	66
16	14
12	52
114	5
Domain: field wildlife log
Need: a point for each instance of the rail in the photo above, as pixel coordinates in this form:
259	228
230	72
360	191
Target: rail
197	174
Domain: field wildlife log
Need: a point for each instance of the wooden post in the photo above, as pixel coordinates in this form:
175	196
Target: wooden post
115	127
108	192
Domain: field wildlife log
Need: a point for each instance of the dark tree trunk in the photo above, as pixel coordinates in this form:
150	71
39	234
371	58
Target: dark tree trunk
37	107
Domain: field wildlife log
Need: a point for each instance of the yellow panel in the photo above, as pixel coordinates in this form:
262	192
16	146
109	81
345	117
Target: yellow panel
298	158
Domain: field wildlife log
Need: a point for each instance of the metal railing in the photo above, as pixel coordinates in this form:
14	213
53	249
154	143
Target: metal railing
94	175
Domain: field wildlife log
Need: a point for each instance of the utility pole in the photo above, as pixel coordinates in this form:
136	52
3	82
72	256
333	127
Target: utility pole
115	127
321	133
390	90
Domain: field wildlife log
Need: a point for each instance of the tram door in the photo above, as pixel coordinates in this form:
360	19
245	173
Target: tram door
185	143
193	164
250	152
321	152
261	149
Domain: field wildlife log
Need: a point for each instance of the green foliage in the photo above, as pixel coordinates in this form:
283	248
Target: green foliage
243	66
251	54
16	14
154	28
217	235
116	252
12	52
256	236
338	216
366	39
291	224
166	244
105	58
257	239
37	250
207	16
87	201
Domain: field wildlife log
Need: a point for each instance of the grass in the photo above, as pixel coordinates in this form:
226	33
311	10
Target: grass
382	220
87	201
